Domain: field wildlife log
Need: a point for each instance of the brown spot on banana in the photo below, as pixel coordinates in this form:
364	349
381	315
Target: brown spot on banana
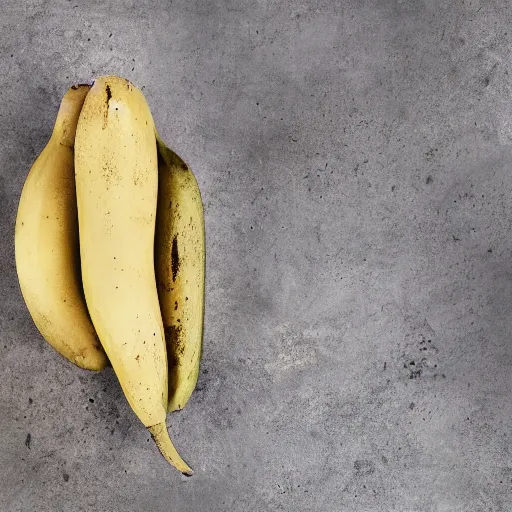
109	96
175	342
175	261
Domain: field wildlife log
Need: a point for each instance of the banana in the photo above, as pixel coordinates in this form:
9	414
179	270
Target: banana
117	184
46	244
180	271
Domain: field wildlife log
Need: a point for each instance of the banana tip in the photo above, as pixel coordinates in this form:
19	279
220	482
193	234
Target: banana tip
87	83
162	440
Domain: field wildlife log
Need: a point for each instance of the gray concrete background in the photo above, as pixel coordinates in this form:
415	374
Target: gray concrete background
354	159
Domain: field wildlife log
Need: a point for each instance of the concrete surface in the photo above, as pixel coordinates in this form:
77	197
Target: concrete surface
355	159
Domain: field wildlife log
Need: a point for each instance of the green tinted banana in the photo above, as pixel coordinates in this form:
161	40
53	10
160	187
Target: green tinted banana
180	271
117	186
46	244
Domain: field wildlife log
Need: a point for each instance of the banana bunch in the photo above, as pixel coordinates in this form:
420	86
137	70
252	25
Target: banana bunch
110	251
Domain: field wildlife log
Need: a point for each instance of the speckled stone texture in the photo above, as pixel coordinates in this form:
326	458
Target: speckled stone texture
355	162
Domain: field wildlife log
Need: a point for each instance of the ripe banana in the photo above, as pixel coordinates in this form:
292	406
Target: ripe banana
180	271
46	244
117	184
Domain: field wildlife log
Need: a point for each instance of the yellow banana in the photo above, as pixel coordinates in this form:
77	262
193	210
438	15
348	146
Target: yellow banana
46	244
116	183
180	271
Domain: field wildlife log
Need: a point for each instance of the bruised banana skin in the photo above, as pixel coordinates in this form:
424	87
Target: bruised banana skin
180	271
46	244
117	182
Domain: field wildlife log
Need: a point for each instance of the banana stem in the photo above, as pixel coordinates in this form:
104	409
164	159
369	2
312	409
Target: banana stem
163	441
